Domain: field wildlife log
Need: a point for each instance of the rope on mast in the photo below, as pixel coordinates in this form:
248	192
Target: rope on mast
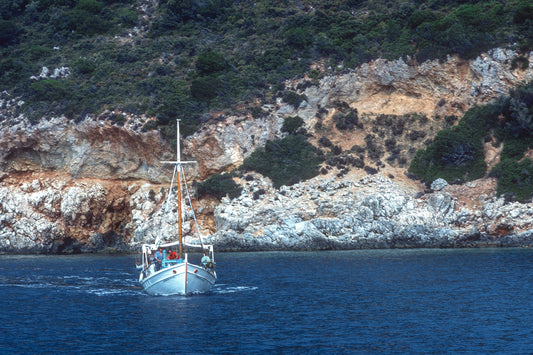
178	168
167	202
192	210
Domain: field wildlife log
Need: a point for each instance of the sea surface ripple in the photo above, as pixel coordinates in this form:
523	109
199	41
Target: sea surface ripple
333	302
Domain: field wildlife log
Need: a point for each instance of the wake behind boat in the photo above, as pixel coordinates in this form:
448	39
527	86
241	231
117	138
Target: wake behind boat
177	268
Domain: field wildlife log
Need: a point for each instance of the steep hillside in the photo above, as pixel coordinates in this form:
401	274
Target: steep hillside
329	100
188	59
395	108
82	188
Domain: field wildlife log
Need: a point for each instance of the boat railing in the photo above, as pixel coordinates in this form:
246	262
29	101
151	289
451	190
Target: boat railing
170	262
190	245
146	261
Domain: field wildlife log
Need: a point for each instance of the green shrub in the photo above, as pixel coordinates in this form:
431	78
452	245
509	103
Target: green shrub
210	62
453	156
9	31
12	70
84	66
190	10
291	124
44	4
515	179
515	148
293	99
126	56
39	52
298	38
519	62
219	185
12	8
85	23
286	161
519	121
478	121
127	17
150	125
325	142
450	120
421	16
271	60
374	149
50	90
91	6
205	88
346	121
257	112
183	10
523	12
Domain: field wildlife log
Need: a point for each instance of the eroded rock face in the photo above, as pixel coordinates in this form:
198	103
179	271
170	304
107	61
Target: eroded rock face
88	149
222	146
54	213
430	88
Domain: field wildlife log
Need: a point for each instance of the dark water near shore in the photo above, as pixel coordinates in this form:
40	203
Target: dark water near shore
379	301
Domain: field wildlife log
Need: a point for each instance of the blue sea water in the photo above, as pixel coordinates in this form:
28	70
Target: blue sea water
330	302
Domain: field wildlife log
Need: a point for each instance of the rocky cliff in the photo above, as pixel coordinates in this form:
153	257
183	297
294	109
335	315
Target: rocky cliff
358	212
98	185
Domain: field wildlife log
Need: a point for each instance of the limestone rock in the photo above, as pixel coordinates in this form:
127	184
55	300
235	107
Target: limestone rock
88	149
438	184
373	213
222	146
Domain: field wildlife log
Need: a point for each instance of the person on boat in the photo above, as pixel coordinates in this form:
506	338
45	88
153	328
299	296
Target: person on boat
158	259
207	262
172	255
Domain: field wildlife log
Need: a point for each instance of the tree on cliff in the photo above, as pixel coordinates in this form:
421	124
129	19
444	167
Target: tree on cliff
286	161
457	154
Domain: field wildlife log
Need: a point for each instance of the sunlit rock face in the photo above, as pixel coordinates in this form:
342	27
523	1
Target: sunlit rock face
88	149
54	213
431	88
223	145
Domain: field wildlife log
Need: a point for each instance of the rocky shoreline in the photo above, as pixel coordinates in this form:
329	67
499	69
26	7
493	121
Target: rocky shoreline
58	215
372	213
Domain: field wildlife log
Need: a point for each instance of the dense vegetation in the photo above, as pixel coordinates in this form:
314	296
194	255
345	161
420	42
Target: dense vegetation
186	58
457	154
219	185
286	161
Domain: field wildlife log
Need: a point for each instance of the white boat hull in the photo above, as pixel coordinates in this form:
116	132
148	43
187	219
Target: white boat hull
181	279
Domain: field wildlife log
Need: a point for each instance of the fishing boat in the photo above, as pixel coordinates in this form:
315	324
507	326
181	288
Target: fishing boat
177	268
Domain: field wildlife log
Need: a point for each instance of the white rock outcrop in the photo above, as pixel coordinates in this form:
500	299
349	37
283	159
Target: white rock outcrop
373	212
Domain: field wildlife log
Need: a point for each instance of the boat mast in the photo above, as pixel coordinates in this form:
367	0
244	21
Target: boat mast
178	169
178	166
